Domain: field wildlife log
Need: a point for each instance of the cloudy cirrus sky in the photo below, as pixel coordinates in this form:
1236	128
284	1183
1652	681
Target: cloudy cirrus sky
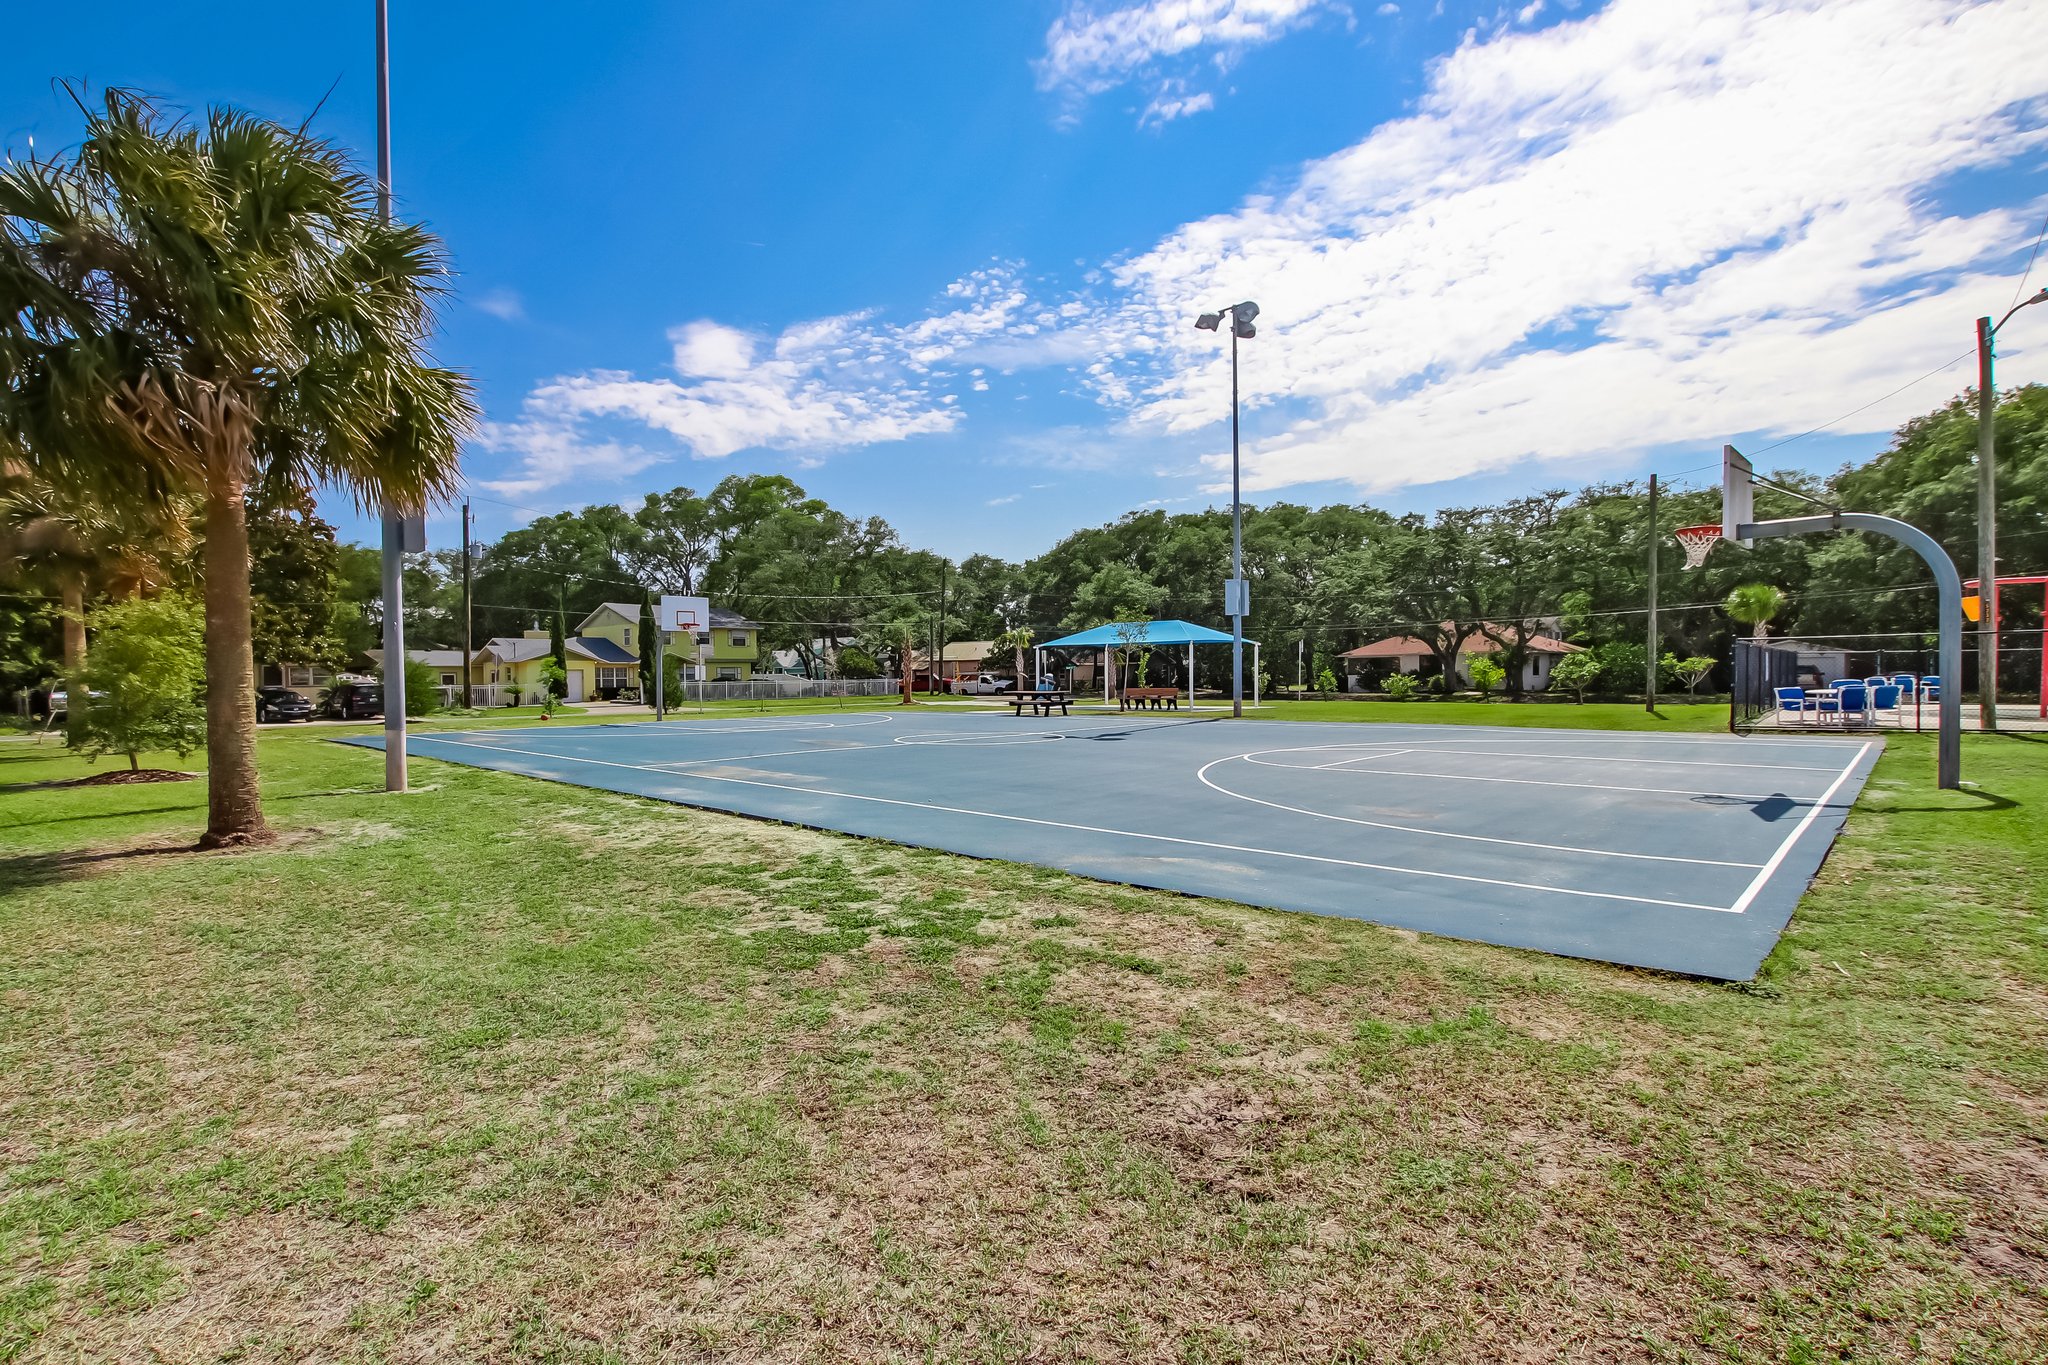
940	262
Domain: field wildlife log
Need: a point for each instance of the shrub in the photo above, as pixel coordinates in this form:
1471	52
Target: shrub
1692	672
422	688
554	682
1487	672
855	662
1576	672
149	658
1400	687
1326	681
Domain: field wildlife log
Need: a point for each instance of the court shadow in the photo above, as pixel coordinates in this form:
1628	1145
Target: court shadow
1776	806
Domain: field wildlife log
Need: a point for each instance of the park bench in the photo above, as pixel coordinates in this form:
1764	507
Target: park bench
1041	703
1138	698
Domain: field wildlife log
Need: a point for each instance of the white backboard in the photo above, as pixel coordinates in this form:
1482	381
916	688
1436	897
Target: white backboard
1738	493
684	615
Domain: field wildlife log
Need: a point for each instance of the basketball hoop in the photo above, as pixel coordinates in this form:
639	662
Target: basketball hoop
1698	542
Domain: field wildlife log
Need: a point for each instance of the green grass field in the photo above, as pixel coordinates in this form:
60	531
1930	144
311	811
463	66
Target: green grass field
508	1070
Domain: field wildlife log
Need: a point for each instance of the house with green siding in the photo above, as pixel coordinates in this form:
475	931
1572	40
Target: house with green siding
725	649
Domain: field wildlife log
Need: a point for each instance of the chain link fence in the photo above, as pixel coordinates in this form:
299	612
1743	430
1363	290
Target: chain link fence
1892	681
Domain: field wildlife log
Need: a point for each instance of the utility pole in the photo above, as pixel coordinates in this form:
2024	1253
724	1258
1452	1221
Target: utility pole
1987	530
1650	640
394	527
1236	545
468	612
1987	514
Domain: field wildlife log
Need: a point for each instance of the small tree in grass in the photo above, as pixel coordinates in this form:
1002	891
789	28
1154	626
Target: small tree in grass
149	658
1400	687
1486	672
554	684
1692	672
1576	672
1326	681
422	687
557	682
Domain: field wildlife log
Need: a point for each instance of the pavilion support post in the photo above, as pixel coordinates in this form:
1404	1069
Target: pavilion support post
1255	673
1105	675
1191	674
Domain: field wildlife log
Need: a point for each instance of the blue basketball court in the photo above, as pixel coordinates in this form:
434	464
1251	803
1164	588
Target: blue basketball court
1685	853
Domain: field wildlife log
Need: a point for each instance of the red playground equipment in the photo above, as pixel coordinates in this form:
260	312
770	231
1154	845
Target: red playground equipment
1973	608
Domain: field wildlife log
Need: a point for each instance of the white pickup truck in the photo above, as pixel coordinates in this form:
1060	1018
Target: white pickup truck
980	685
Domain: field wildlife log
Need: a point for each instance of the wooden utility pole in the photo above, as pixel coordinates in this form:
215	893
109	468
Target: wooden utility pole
1650	636
468	611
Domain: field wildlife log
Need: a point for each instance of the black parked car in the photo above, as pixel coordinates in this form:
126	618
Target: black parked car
354	701
281	703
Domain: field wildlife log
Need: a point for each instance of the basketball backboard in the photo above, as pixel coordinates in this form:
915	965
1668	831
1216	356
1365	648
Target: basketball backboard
682	614
1738	494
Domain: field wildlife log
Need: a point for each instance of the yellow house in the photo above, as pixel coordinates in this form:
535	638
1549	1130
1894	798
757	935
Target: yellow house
724	651
597	668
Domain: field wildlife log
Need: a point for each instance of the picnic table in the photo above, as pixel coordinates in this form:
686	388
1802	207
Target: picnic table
1041	703
1137	698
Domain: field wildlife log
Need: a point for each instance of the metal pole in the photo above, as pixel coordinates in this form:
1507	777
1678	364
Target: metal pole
1236	542
468	612
1987	531
1948	585
1650	645
660	647
394	532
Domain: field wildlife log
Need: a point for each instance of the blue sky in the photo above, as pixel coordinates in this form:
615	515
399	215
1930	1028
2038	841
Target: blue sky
938	261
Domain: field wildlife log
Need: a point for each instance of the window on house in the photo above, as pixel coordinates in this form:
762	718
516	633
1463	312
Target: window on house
738	638
629	637
610	676
703	637
447	680
728	675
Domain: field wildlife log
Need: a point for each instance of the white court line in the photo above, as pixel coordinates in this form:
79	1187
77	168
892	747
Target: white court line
1637	758
1361	758
1126	833
1770	868
1202	774
1530	782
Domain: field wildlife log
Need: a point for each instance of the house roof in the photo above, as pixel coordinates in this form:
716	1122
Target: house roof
629	610
1142	633
511	649
432	658
1403	646
730	620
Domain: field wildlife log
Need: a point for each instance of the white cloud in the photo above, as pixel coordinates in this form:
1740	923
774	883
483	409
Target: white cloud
1089	52
1638	228
817	386
503	304
1165	108
1388	10
1005	500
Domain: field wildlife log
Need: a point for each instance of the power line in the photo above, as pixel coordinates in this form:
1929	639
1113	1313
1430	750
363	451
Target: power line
2021	287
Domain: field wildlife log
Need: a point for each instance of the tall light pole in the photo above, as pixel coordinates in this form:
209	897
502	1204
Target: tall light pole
1987	516
1235	599
394	526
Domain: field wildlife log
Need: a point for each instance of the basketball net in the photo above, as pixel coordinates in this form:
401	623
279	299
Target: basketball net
1698	542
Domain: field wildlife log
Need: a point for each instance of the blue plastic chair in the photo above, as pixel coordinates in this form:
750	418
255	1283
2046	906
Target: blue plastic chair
1884	698
1906	682
1855	703
1930	689
1793	699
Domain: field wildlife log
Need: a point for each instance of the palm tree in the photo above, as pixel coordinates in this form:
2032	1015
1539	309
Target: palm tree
1754	604
1017	639
187	307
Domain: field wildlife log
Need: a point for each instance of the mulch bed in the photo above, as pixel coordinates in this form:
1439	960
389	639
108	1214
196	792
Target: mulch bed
124	777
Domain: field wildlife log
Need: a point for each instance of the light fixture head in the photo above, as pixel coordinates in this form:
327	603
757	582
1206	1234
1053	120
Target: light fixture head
2041	297
1246	311
1245	330
1208	321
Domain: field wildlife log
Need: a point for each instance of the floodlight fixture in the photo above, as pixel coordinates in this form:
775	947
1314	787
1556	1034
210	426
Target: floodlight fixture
1244	329
1234	595
1248	310
1208	321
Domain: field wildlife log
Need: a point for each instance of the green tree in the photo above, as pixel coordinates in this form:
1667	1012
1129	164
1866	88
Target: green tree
295	605
1576	672
1755	605
149	658
185	309
554	684
650	646
422	687
1486	672
1014	641
1692	672
558	655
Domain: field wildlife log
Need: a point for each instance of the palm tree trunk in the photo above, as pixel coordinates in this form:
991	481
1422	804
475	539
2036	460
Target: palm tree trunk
234	811
71	603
